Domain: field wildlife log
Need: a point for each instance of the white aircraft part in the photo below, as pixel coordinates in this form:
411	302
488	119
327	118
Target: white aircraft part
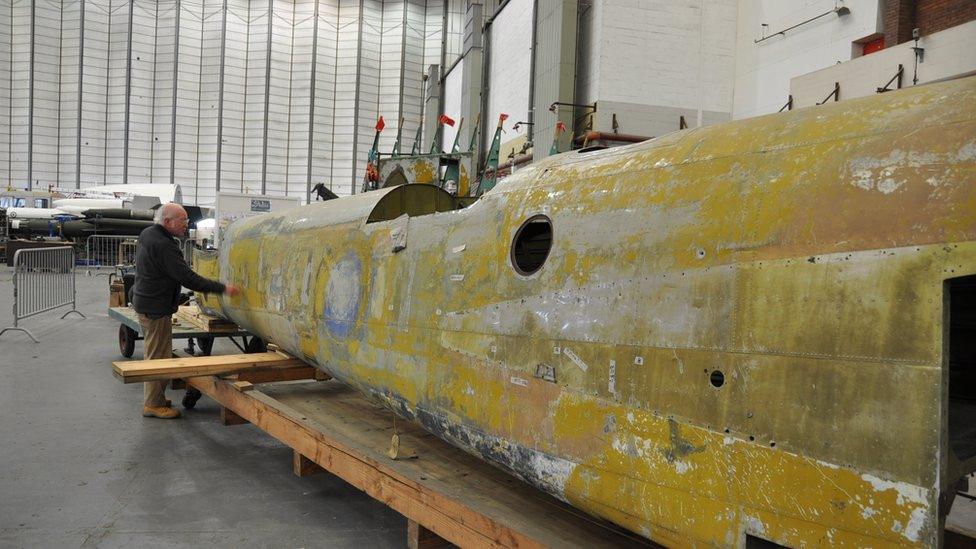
35	213
78	205
165	191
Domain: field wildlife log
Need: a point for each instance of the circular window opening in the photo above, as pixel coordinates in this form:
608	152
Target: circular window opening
532	244
717	378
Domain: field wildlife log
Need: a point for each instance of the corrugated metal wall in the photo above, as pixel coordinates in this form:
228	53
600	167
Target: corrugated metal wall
198	98
267	96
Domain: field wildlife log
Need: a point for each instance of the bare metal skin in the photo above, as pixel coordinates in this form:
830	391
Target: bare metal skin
739	330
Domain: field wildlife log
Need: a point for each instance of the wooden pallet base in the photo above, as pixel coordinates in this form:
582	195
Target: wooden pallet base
447	496
192	315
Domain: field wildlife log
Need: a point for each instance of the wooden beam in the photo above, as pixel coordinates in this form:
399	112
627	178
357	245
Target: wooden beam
270	376
243	385
461	499
448	519
957	537
192	315
419	537
303	467
321	376
135	371
229	417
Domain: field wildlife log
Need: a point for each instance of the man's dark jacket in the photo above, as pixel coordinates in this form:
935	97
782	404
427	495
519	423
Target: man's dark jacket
160	271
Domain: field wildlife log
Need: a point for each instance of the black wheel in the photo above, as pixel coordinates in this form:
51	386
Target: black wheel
190	398
255	345
206	344
127	340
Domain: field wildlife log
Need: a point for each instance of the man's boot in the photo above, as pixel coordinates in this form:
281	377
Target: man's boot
162	412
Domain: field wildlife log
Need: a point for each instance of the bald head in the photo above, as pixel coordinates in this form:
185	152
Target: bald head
173	218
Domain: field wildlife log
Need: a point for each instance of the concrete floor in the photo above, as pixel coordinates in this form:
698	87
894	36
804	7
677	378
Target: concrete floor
80	466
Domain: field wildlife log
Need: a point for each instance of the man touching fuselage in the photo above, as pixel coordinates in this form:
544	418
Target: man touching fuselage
160	272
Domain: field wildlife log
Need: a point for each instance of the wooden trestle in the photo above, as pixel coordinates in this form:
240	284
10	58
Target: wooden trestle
448	496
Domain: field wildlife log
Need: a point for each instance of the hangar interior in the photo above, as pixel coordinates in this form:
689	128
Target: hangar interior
273	98
428	206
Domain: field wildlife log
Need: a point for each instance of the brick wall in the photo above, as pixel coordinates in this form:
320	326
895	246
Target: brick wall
899	20
935	15
929	16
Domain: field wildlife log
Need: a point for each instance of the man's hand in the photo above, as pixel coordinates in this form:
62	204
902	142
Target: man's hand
231	290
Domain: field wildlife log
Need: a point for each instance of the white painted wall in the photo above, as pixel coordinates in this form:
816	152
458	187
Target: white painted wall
510	62
763	70
948	53
452	107
651	61
670	53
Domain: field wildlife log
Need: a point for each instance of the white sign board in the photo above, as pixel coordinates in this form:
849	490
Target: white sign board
234	206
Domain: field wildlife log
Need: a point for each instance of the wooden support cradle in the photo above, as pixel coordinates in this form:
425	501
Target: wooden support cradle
447	496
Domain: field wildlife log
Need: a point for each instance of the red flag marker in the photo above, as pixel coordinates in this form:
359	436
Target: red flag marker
561	127
503	117
380	124
445	119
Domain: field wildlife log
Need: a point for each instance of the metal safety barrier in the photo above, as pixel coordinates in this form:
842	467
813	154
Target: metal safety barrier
44	279
109	252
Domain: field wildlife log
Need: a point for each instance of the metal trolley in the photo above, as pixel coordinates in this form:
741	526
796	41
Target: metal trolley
130	331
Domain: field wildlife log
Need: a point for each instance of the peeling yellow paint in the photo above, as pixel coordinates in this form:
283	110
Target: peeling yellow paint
742	324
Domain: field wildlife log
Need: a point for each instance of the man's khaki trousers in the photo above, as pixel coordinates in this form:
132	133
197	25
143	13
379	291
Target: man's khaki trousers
158	333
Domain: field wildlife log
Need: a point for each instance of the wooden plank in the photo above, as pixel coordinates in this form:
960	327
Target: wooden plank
457	497
229	417
271	376
291	430
955	540
321	376
134	371
243	385
192	315
303	467
419	537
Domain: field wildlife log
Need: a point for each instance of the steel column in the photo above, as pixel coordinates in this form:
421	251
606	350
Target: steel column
128	91
355	116
220	97
30	106
267	92
311	110
176	78
81	85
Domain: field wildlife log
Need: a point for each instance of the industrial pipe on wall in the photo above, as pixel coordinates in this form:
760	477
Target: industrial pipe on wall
593	135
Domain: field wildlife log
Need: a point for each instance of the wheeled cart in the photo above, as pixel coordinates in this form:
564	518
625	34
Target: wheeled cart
190	325
130	331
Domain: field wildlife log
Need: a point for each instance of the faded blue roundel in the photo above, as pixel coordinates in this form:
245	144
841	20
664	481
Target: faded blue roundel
342	295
